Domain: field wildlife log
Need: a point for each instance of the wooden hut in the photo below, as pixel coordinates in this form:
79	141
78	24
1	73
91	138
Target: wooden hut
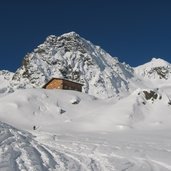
60	83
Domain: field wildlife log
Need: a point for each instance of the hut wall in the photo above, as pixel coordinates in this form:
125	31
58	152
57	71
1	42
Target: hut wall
68	85
55	84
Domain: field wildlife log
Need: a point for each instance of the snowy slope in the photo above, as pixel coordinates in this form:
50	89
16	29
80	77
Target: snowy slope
20	150
71	56
55	110
75	131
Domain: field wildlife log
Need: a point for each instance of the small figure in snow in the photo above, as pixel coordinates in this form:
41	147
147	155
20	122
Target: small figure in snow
34	127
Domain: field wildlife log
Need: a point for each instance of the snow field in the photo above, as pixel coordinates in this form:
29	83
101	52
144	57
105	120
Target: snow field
43	151
75	131
59	110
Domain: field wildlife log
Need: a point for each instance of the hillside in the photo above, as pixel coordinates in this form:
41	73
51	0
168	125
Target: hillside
64	110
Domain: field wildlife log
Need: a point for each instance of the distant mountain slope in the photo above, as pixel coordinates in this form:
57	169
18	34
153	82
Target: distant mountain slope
72	57
5	79
156	69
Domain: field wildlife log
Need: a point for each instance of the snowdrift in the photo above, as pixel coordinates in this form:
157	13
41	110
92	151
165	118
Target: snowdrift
65	110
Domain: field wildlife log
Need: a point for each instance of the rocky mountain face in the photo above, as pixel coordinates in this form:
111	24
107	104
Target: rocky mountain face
71	57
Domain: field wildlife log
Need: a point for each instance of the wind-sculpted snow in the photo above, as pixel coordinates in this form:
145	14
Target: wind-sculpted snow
19	151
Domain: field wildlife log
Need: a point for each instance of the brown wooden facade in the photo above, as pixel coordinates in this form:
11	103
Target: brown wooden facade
59	83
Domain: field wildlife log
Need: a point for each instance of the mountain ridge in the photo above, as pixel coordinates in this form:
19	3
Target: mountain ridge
72	57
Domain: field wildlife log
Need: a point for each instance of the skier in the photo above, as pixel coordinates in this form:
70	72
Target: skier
34	127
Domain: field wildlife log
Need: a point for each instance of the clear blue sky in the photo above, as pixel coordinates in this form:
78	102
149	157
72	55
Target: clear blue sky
133	30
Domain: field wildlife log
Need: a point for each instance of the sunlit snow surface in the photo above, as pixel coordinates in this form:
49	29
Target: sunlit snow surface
132	151
91	134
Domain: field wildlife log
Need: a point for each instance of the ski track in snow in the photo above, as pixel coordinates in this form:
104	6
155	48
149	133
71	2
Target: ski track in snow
102	155
48	152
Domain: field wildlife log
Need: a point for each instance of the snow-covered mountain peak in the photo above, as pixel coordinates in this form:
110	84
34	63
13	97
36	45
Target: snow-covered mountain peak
66	36
72	57
158	62
70	34
156	69
155	62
